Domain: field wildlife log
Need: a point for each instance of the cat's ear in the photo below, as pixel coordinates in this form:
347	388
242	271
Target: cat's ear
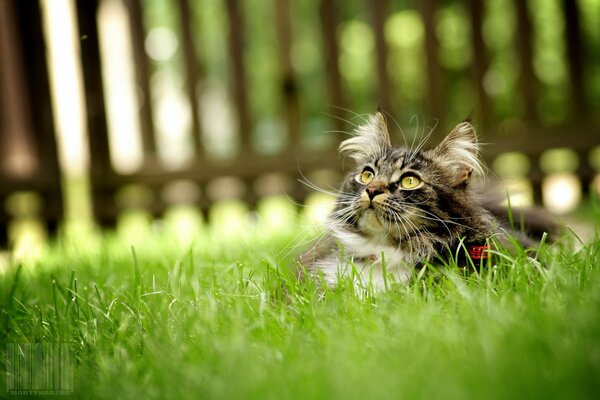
370	140
459	152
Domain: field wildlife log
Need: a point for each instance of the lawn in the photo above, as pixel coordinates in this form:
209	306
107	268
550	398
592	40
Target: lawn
221	317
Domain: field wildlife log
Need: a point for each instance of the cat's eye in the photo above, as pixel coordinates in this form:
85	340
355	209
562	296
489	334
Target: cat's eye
366	176
409	182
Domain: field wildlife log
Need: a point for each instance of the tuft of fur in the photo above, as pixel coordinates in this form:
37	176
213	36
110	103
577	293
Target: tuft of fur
384	230
369	140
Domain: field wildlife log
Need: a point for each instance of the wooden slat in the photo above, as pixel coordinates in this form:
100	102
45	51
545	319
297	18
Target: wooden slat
142	74
238	74
535	175
480	62
537	139
93	89
17	156
4	220
101	174
47	181
7	40
585	172
575	58
192	70
378	10
329	22
435	82
532	142
528	82
289	86
27	128
246	169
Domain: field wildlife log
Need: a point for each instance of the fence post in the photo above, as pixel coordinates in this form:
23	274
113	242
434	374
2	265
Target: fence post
143	79
193	70
101	174
436	92
536	175
480	62
16	130
575	58
378	9
43	122
3	223
27	114
238	71
289	88
329	22
528	81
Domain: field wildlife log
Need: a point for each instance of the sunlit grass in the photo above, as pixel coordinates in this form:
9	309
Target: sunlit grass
218	316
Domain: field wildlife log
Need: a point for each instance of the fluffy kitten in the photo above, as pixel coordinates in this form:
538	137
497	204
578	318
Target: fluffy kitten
402	207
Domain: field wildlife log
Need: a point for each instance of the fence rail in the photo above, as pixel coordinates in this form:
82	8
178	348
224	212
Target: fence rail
27	133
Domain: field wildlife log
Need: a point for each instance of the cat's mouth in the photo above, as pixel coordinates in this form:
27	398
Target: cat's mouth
376	203
372	214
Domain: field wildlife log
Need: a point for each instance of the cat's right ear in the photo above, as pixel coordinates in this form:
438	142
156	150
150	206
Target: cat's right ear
370	140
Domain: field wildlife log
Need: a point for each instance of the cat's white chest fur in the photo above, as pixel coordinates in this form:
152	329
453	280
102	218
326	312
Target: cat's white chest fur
371	263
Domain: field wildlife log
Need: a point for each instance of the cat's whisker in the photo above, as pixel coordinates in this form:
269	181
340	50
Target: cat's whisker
338	131
424	201
422	142
354	125
311	185
388	115
327	231
402	220
435	219
291	249
363	117
334	192
412	145
344	214
297	244
414	229
444	221
432	217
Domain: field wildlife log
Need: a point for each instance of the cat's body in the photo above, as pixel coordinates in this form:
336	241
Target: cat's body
403	207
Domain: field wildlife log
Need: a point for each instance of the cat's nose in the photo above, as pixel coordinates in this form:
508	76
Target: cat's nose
373	191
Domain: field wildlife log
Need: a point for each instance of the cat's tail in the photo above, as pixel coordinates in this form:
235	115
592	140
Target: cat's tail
533	222
528	224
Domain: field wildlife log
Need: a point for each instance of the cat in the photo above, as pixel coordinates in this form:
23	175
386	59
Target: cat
403	207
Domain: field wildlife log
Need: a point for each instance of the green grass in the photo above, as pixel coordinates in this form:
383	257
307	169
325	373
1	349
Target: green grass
221	318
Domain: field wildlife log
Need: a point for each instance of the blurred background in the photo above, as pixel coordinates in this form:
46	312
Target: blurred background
188	113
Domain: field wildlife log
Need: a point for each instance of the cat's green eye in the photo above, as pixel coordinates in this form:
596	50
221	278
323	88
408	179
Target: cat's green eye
409	182
366	176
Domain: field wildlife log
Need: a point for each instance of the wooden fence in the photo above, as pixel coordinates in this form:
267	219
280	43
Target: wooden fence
28	152
27	117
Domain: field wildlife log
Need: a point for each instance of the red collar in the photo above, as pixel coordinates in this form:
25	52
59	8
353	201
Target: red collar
479	252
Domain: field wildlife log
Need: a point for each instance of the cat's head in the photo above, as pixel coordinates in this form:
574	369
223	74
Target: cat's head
399	192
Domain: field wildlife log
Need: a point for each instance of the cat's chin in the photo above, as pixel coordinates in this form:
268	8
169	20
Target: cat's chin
371	221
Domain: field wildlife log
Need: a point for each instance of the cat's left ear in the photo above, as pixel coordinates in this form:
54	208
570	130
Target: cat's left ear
459	152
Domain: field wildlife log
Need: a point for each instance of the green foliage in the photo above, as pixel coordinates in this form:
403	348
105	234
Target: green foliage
404	33
227	318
